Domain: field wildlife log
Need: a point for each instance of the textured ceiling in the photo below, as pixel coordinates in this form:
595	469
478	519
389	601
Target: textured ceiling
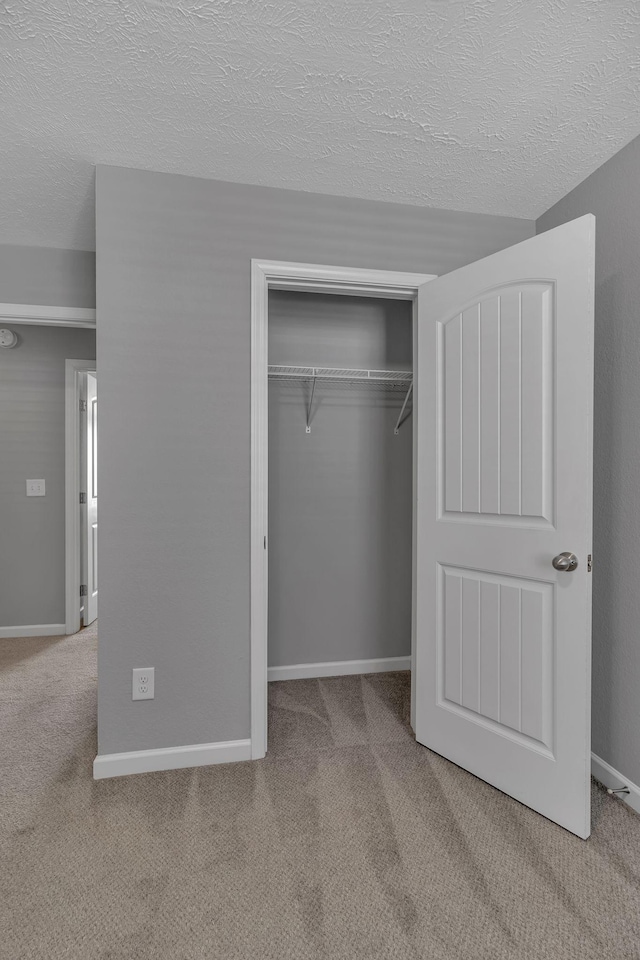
496	106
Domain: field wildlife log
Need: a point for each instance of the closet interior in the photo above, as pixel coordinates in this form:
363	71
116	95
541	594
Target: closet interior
340	480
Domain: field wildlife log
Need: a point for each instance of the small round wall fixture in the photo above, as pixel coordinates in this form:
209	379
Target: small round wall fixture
8	338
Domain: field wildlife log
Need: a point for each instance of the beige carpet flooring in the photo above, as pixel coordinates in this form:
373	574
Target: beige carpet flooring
348	841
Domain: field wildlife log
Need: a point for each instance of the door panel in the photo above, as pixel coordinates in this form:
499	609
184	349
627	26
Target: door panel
490	405
495	647
502	639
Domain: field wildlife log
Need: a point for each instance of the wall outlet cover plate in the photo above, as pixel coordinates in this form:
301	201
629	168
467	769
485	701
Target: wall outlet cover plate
35	488
143	683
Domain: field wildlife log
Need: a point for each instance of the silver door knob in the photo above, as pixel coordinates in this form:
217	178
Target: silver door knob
566	561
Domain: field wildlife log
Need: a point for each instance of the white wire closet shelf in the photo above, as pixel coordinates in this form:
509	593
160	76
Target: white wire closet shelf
390	379
340	374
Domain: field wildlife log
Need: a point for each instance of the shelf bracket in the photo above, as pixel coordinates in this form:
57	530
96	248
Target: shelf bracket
310	406
402	417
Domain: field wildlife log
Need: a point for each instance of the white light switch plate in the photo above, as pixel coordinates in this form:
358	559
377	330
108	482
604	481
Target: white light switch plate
35	488
143	683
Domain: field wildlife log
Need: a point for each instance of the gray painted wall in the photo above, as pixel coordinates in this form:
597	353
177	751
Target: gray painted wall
32	445
56	278
612	193
173	292
339	497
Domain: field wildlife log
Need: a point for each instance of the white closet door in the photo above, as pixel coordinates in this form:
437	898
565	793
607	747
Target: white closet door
504	478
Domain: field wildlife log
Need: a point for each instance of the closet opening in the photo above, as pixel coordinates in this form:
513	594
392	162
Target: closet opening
340	373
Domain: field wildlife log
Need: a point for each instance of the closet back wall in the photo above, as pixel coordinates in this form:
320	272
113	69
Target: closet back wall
174	355
340	504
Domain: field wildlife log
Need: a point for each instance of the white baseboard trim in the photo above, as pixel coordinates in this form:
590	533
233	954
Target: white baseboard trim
338	668
610	777
34	630
170	758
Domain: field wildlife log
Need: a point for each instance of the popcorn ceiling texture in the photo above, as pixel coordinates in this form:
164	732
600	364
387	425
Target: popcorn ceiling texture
490	106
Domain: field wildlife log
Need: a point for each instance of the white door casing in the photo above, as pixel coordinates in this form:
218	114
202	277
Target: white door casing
502	640
91	525
75	474
313	278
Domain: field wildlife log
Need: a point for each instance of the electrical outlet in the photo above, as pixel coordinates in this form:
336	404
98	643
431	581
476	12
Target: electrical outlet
35	488
143	683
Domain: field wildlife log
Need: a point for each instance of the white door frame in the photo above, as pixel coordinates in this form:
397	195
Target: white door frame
312	278
73	369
